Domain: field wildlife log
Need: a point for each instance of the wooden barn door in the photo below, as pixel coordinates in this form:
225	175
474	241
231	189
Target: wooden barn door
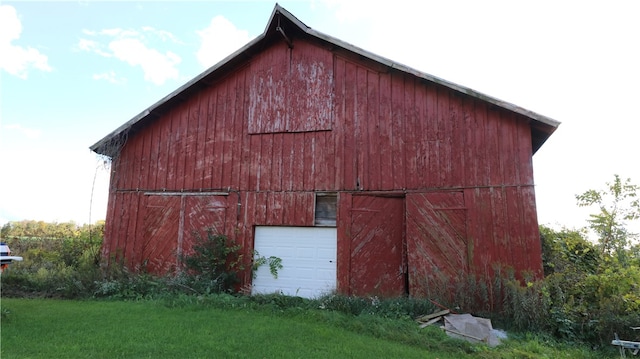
172	222
437	244
217	213
377	261
161	222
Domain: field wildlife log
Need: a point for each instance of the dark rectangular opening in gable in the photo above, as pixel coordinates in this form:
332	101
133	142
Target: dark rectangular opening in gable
325	211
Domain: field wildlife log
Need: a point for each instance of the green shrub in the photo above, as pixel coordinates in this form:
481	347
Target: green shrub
214	264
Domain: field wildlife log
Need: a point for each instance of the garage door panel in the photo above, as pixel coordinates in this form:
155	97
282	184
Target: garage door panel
308	257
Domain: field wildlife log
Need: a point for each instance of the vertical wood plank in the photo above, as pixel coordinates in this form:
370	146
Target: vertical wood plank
209	147
254	163
486	248
190	144
110	242
180	145
328	163
444	140
260	209
119	231
514	218
171	168
360	121
525	154
246	158
409	127
349	122
137	168
501	246
137	228
218	136
385	132
344	243
482	162
299	156
308	162
456	120
276	160
432	136
492	143
237	118
227	136
144	163
372	135
201	140
397	130
469	143
508	153
473	230
288	160
275	214
340	121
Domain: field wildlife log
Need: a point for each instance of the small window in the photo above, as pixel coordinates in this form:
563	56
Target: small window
326	209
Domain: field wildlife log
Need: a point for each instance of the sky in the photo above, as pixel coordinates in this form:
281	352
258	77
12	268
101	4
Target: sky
73	71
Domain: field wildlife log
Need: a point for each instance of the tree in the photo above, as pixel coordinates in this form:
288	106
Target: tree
618	204
567	251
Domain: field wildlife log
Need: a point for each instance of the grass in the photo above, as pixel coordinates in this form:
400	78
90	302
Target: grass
46	328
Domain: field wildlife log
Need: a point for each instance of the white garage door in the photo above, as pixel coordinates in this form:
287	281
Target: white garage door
308	258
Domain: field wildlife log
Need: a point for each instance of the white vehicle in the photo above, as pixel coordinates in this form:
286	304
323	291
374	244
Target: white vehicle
5	257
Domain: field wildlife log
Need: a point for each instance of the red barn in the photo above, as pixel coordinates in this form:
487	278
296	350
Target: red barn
363	175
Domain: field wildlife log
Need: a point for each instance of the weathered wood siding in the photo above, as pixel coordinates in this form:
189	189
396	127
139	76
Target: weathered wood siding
294	121
377	263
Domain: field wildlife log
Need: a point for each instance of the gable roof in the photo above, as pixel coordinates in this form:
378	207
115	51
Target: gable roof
282	25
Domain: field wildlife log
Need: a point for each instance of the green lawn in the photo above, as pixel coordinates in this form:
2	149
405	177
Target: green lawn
37	328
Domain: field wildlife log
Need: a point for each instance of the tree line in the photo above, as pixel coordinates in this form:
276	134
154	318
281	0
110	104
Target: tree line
53	230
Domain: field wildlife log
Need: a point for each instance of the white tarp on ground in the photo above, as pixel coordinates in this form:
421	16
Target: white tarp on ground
470	328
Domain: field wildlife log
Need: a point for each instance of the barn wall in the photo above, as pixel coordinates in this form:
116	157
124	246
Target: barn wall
371	129
386	131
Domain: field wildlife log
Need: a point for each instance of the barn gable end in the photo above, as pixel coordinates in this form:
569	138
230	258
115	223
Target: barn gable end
424	177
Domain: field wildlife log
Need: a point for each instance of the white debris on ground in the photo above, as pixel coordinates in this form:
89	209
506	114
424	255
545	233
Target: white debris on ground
465	326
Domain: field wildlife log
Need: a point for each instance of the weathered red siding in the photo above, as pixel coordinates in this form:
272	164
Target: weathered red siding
377	250
291	122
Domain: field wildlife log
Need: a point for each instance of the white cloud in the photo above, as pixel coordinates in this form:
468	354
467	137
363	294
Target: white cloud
30	133
93	46
109	77
219	40
157	67
133	48
15	59
161	34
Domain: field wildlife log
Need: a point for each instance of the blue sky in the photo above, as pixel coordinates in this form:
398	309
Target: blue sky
71	72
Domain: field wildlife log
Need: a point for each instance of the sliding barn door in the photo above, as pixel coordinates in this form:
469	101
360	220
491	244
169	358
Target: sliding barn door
377	261
437	244
173	222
